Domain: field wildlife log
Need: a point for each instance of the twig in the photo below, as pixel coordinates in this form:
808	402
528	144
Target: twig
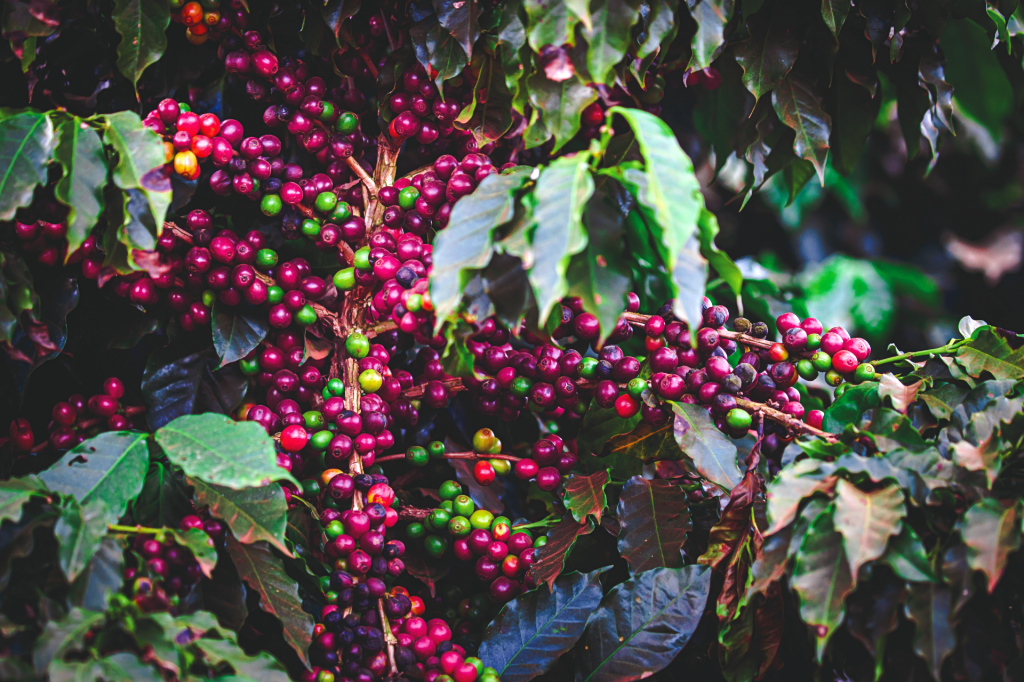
640	320
361	173
453	455
948	348
787	420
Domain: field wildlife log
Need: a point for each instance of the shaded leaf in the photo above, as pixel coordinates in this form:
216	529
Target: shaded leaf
202	548
985	456
560	104
103	576
712	452
930	607
991	530
427	570
608	37
867	520
111	467
642	624
853	116
163	500
221	451
533	630
795	482
584	495
279	594
654	520
552	23
60	636
26	146
769	54
834	12
988	351
719	112
719	260
437	48
711	17
80	152
733	528
79	531
237	330
550	558
492	105
142	24
850	407
140	159
14	493
906	555
799	108
462	20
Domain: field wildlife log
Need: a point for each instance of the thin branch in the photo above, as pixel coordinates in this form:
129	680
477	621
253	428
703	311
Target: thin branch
454	455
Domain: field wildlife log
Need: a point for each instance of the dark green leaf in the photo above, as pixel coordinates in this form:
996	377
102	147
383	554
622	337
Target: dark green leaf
237	330
140	160
991	530
849	408
461	20
584	495
437	48
14	493
492	104
799	108
562	193
609	35
163	500
834	12
560	105
221	451
642	624
550	558
80	152
262	666
79	531
111	467
252	514
533	630
853	116
465	245
712	452
822	580
988	351
182	378
103	576
907	557
719	112
654	520
983	91
600	424
26	147
600	274
769	54
552	23
930	607
61	636
142	24
200	545
711	17
279	594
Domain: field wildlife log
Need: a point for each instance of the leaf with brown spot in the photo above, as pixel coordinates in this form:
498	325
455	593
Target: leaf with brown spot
736	521
584	495
551	557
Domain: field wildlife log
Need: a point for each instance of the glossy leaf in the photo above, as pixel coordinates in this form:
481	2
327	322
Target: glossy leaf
530	632
585	496
60	636
654	520
907	557
642	624
609	35
799	108
461	20
867	520
437	48
719	112
26	146
732	531
991	530
712	452
834	12
550	559
182	378
140	159
163	500
279	594
102	576
794	483
142	24
14	493
821	578
849	408
600	275
465	245
201	546
562	193
726	268
221	451
769	54
80	153
560	105
988	351
79	532
930	607
110	467
647	443
552	23
237	330
711	17
492	105
599	425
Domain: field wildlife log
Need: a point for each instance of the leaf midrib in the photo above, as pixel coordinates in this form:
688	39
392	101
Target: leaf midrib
17	154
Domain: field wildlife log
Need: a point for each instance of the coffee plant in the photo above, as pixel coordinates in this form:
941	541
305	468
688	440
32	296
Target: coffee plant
352	341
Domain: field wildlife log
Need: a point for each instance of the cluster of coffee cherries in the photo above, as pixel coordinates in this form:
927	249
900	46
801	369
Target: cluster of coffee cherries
74	420
190	138
160	571
418	112
46	241
208	19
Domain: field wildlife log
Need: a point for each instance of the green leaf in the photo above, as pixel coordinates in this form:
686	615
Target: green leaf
562	193
654	520
930	607
142	25
103	576
907	557
80	152
584	495
800	109
79	531
560	105
140	160
853	117
991	530
437	48
530	632
461	20
724	265
642	624
983	92
237	330
821	578
850	407
14	493
26	148
221	451
867	520
552	23
600	274
769	54
464	246
712	452
550	559
719	112
834	12
279	594
492	104
609	35
988	351
61	636
794	483
201	545
262	666
600	424
252	514
711	16
163	500
110	467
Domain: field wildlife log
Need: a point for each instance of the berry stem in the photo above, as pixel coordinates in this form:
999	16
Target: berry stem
368	182
948	348
785	419
138	530
453	455
640	320
547	522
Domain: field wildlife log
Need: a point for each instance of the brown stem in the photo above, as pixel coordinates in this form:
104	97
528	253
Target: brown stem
361	173
640	320
413	513
787	420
